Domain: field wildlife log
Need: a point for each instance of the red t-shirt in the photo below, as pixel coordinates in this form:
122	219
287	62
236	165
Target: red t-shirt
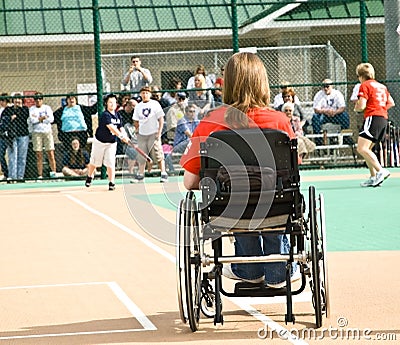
377	97
215	121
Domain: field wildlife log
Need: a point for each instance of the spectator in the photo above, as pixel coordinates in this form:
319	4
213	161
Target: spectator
329	107
278	100
148	120
219	83
170	96
122	100
185	129
74	120
200	69
374	100
126	115
104	145
41	117
157	96
16	121
174	114
304	145
130	152
167	150
201	98
75	161
289	96
4	102
247	90
137	77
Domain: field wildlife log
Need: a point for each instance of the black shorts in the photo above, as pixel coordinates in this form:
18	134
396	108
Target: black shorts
374	128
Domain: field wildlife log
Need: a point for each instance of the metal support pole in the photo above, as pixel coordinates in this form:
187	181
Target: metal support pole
97	58
235	28
363	27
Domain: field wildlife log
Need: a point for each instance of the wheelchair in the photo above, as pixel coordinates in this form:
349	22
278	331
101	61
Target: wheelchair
250	186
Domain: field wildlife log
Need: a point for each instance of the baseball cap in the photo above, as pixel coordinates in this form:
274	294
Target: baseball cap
181	95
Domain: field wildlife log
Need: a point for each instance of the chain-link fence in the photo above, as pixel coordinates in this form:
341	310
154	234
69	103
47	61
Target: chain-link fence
49	47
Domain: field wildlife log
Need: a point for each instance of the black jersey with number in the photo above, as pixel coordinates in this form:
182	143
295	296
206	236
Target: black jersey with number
103	134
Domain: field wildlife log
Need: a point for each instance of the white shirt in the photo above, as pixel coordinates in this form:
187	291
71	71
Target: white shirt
354	95
334	100
148	114
35	113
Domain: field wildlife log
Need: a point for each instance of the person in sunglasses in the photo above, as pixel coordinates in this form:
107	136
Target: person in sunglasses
329	107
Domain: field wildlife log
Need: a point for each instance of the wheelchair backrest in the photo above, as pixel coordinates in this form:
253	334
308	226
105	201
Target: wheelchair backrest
256	166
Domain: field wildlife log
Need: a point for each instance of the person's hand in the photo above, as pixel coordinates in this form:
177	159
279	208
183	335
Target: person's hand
131	69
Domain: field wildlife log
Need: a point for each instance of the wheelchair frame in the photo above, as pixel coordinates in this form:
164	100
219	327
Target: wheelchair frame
196	226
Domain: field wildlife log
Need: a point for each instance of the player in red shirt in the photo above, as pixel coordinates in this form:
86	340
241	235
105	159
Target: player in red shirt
246	97
374	99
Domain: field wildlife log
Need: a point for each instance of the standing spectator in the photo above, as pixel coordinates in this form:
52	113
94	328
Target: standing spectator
219	83
278	99
185	129
130	152
75	161
3	142
167	150
41	118
148	119
104	145
74	120
137	76
170	96
374	100
200	69
174	114
16	120
126	116
201	98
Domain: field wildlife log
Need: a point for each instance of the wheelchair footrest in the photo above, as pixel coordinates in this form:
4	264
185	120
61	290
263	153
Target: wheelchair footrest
244	289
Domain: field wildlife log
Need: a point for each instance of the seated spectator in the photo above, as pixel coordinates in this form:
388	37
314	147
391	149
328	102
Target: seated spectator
170	96
157	96
174	114
289	96
185	129
329	107
304	145
74	120
203	99
76	160
278	99
200	69
219	83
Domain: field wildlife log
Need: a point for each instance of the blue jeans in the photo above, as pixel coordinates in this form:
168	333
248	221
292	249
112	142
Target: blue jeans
341	119
3	161
17	157
168	162
274	272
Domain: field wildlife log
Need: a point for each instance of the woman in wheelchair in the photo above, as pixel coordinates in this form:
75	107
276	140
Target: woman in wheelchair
246	96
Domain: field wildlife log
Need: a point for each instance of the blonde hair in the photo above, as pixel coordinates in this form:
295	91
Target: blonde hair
202	81
365	71
245	87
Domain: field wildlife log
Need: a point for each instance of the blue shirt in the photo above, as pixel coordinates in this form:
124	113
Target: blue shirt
103	134
72	119
182	126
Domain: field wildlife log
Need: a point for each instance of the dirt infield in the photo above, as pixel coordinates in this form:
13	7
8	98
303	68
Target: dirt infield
76	268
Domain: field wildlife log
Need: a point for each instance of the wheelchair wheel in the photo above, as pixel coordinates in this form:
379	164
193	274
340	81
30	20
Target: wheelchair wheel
324	277
180	264
207	304
192	261
316	257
